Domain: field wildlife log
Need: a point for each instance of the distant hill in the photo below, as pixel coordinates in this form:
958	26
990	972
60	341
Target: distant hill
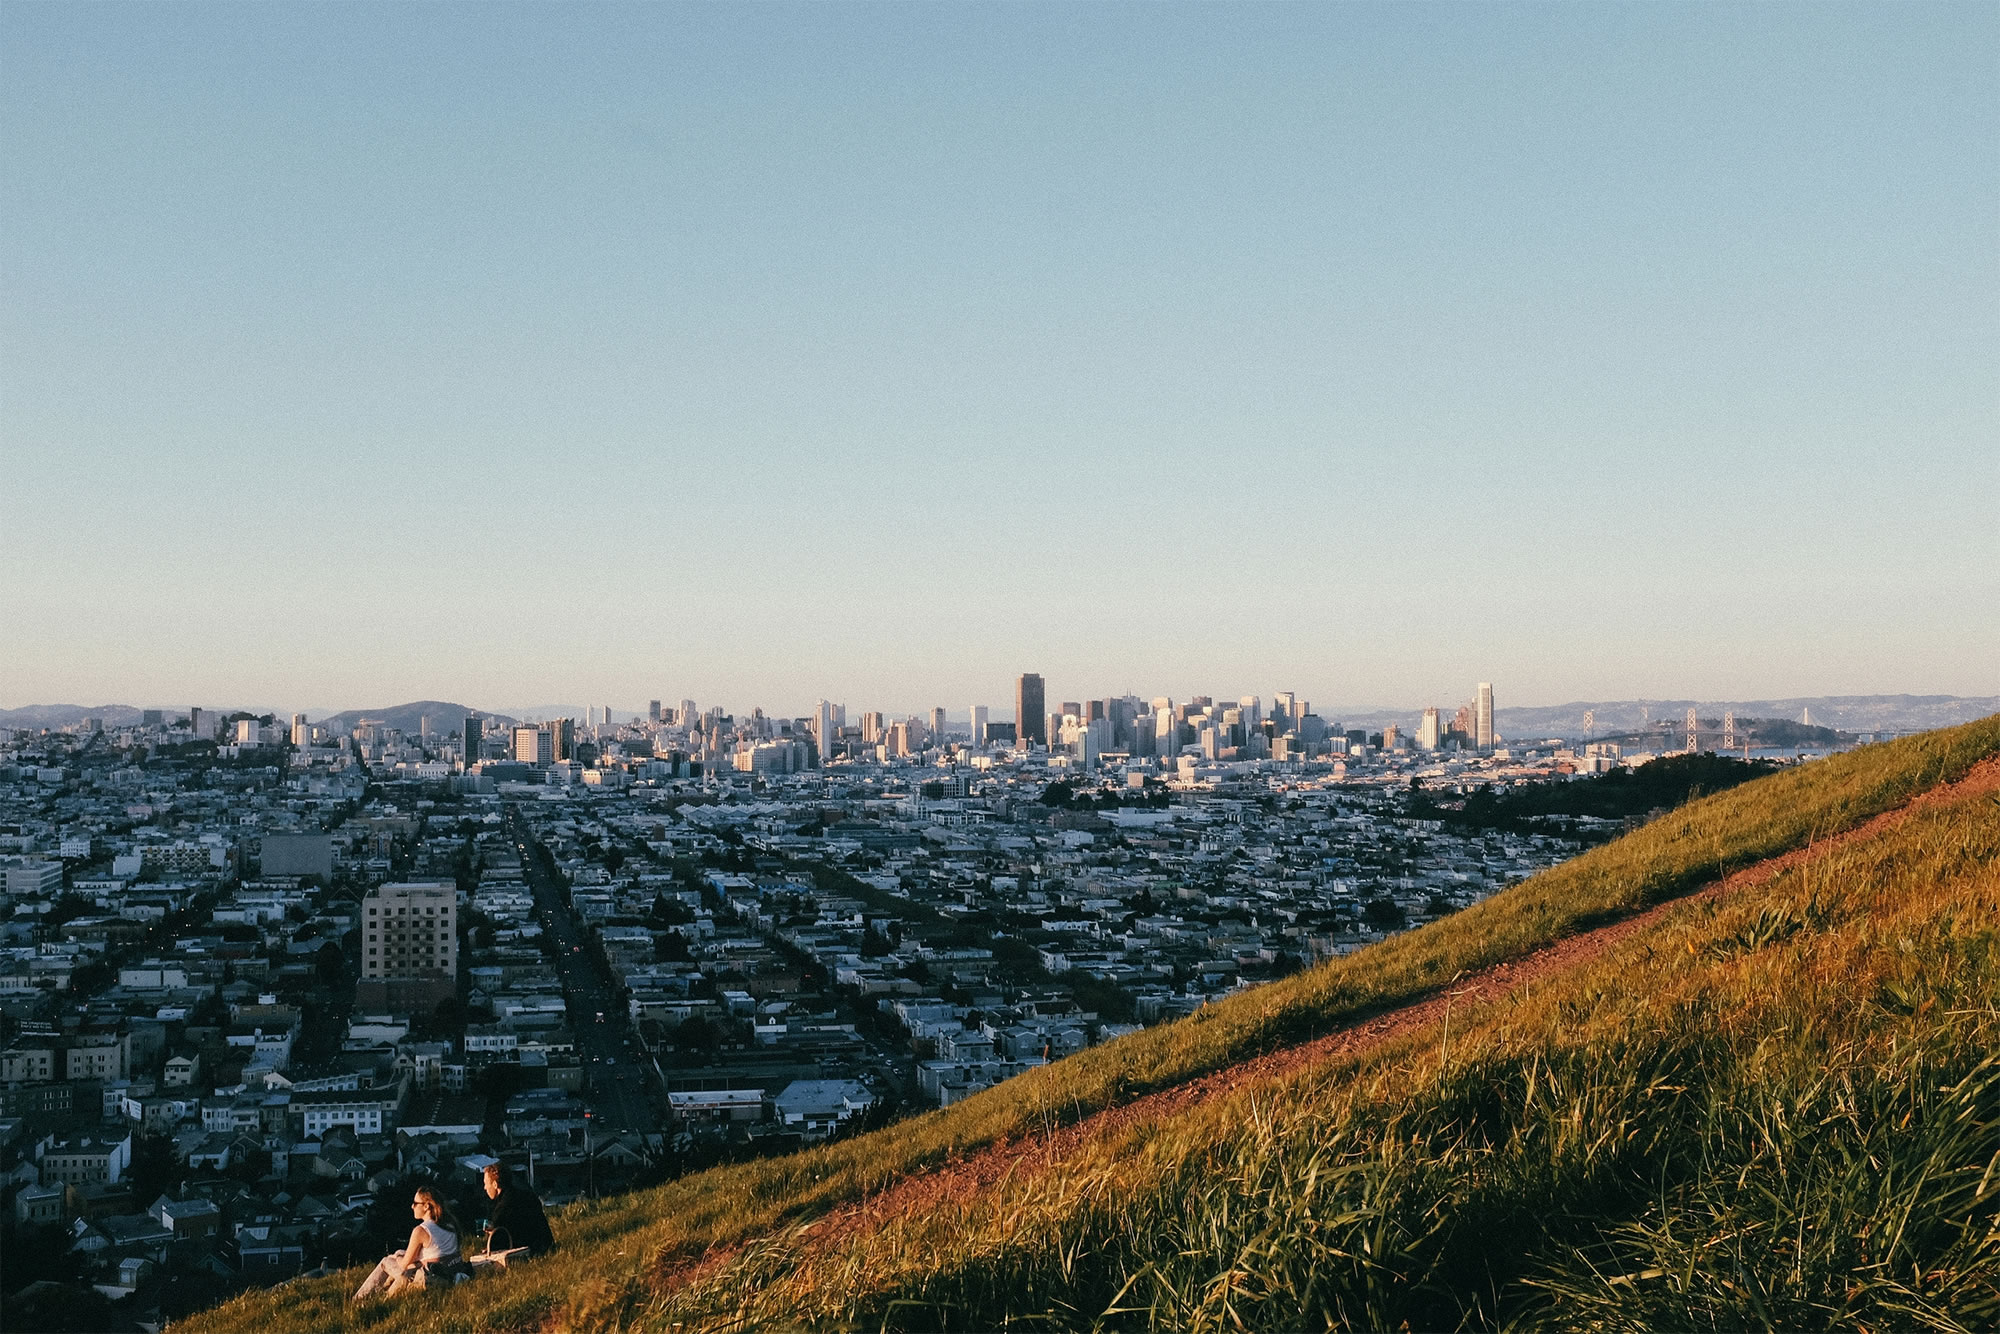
34	716
1677	1082
444	716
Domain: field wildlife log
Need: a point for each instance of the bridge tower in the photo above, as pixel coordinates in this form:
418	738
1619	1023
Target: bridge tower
1728	731
1693	725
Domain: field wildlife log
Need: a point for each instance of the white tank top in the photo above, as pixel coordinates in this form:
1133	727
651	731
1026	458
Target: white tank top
440	1242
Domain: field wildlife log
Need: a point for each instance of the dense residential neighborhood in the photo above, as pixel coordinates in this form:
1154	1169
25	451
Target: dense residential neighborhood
256	978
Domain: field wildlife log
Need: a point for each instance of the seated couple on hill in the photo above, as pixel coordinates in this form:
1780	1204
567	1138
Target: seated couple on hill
432	1258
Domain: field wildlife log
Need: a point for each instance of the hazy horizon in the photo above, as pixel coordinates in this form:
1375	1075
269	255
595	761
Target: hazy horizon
999	712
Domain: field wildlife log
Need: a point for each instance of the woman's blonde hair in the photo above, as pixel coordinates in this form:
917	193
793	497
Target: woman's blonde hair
440	1212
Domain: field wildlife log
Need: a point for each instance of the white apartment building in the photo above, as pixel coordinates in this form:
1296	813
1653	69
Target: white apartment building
27	878
99	1056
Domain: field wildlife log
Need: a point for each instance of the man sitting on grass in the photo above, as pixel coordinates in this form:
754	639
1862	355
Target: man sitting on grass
517	1218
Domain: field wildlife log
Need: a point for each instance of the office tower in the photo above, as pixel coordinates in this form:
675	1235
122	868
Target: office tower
562	739
1390	735
1233	731
607	716
1283	711
1430	732
151	717
1095	737
1166	731
301	733
1253	712
475	738
978	724
424	728
410	931
653	711
194	721
685	716
937	726
900	742
1029	717
825	730
871	728
246	731
534	745
1482	710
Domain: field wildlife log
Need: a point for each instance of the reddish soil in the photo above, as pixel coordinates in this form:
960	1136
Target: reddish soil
964	1179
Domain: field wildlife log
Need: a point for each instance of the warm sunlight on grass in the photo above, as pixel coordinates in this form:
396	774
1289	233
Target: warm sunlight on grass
1587	1118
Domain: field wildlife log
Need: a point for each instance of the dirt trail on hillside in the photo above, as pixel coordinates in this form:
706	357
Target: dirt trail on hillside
961	1180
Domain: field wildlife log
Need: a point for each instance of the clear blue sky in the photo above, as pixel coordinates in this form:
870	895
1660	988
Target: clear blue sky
356	353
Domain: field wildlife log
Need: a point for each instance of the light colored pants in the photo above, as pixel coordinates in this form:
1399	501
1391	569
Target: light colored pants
390	1277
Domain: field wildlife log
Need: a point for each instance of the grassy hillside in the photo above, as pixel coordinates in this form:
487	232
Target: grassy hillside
1772	1106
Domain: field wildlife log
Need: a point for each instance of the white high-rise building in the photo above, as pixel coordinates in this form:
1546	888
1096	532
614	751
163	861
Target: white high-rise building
1253	712
301	733
826	728
533	745
1430	732
979	725
1482	716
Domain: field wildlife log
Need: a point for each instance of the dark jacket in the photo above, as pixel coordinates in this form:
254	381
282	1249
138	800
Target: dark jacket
518	1220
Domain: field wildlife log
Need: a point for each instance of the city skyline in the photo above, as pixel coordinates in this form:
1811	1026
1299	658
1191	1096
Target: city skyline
436	718
1371	349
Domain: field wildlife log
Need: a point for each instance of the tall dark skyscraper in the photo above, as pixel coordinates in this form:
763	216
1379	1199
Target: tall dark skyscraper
475	737
1028	705
562	732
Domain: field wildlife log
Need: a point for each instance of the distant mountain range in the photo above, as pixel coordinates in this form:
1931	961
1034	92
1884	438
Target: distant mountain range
33	716
444	716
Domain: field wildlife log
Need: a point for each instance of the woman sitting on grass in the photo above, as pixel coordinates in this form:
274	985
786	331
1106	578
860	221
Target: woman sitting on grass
432	1256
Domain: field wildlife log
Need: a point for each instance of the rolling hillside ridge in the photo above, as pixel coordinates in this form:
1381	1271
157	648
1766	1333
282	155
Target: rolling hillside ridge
1732	1070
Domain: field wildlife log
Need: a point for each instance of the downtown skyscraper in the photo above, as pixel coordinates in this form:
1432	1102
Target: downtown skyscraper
1029	702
